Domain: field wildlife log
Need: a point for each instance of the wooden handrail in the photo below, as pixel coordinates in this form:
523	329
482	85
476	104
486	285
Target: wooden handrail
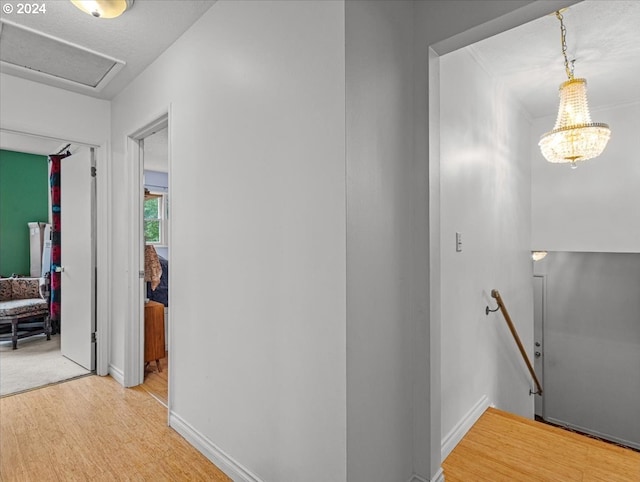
495	294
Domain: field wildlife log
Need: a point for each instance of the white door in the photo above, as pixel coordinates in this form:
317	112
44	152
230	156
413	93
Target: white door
77	310
538	342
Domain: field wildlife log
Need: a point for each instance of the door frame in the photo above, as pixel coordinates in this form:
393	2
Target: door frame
102	152
429	79
134	330
543	317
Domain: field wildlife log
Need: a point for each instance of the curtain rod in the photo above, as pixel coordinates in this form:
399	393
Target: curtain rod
62	150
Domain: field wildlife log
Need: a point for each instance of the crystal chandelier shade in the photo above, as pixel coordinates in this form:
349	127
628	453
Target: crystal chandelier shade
574	137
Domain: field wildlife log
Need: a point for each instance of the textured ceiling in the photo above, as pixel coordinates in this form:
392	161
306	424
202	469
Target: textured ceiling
138	37
602	36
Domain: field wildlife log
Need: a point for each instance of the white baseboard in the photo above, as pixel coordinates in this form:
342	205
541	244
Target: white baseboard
417	478
438	477
223	461
456	434
116	374
611	438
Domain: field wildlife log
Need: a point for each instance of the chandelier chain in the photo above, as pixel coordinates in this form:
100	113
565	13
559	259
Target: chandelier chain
574	137
563	33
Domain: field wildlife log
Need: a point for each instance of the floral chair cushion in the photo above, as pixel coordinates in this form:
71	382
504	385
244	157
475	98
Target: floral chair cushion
14	308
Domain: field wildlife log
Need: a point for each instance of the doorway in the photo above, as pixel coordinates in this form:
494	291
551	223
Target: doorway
148	151
539	287
155	225
70	351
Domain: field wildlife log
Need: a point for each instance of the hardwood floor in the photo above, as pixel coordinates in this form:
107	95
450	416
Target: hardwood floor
93	429
156	382
505	447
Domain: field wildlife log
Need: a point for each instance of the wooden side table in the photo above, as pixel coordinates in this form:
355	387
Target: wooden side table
154	333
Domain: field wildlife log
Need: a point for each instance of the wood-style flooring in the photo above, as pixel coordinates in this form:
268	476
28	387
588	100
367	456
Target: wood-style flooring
93	429
156	382
505	447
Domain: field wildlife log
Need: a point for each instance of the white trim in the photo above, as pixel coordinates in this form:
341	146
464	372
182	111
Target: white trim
116	374
456	434
52	137
222	460
133	370
139	285
595	433
417	478
439	476
543	277
103	246
434	263
169	331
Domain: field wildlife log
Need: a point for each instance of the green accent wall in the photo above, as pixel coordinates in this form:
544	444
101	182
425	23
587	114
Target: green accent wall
24	198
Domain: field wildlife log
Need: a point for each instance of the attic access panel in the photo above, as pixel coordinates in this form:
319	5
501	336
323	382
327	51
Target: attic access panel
25	51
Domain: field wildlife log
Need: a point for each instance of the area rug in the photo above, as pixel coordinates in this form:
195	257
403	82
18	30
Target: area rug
37	362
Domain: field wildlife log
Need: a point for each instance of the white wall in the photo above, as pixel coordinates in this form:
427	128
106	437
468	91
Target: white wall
485	195
39	109
592	342
594	207
258	231
382	179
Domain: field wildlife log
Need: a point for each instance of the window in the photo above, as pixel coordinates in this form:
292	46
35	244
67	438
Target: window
155	218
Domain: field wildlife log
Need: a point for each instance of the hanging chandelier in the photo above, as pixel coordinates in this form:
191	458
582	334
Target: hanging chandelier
574	137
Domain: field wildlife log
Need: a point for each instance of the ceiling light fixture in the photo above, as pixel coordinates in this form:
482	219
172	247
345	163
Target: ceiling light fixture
103	8
538	255
574	137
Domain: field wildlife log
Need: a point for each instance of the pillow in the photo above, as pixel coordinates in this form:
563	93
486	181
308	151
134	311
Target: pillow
5	289
25	288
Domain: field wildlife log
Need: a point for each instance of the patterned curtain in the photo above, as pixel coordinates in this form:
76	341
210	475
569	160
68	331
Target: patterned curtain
56	295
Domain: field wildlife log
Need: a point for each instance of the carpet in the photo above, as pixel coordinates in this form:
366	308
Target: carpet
36	362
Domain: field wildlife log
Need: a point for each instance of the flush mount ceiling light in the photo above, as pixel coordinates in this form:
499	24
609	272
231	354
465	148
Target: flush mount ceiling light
538	255
574	137
103	8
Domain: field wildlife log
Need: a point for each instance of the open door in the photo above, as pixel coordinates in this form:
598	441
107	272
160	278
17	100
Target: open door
538	337
77	310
